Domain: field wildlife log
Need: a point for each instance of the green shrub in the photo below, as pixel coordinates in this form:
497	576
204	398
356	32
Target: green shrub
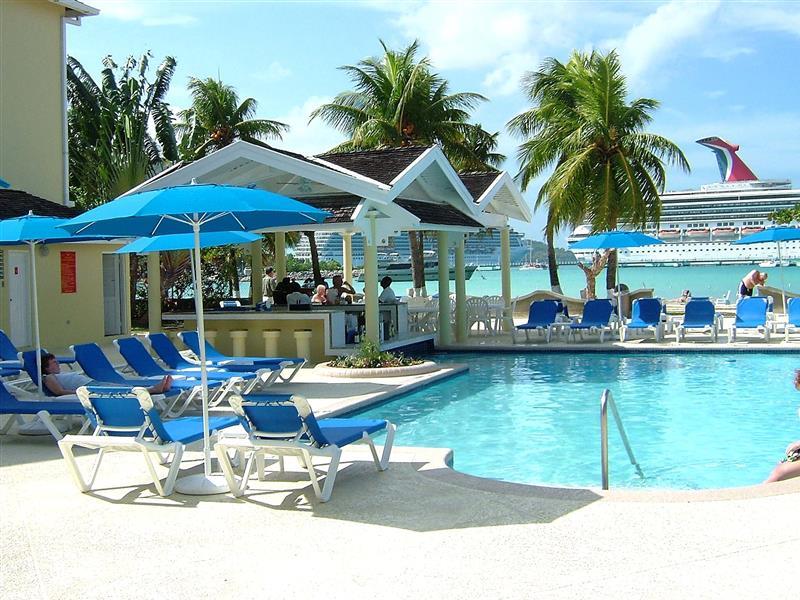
369	356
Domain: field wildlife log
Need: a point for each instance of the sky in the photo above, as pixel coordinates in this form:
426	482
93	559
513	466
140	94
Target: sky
718	68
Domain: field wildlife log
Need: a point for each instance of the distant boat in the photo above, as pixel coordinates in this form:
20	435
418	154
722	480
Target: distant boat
400	269
535	266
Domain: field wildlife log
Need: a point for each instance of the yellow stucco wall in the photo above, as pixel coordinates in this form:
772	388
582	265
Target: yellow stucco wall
31	109
66	319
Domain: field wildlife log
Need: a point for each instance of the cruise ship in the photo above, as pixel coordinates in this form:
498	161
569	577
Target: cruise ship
698	226
480	249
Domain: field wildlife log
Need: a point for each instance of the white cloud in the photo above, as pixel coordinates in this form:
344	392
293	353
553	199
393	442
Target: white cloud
714	94
764	16
727	54
149	14
505	78
662	34
304	137
274	72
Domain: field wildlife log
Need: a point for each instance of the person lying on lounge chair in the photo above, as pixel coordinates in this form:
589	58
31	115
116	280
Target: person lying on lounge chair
790	465
65	384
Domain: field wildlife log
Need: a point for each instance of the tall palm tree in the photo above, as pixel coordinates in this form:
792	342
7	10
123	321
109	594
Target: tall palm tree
217	118
399	101
607	169
111	148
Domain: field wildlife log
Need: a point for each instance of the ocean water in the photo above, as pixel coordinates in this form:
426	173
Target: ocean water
668	282
695	421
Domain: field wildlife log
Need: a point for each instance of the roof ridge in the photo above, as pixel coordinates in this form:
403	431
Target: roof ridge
374	150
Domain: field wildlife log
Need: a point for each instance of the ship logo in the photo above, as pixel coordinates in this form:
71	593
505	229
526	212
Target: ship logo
731	167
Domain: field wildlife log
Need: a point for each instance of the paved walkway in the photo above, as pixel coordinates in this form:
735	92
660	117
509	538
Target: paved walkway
415	531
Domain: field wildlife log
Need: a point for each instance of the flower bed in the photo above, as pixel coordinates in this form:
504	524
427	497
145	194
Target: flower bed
369	361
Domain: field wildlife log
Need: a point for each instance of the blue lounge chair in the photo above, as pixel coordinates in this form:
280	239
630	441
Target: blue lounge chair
10	355
43	409
284	425
97	366
140	360
541	318
751	313
792	316
699	314
215	358
596	317
171	356
645	314
125	419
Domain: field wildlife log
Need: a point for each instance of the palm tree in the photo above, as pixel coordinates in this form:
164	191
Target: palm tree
111	148
217	118
399	101
608	170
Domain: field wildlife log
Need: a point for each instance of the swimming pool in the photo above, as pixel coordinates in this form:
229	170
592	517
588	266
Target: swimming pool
695	421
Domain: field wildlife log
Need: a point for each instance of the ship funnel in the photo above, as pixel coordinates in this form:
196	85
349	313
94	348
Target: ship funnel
731	167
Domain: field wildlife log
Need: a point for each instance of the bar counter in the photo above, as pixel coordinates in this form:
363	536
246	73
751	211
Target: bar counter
327	326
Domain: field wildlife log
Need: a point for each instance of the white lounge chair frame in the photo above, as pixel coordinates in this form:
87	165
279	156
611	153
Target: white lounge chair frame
258	448
104	443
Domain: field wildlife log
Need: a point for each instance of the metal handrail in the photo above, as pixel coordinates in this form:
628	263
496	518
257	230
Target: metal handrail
607	400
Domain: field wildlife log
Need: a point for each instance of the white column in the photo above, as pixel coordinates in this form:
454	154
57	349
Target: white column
505	272
154	292
256	272
280	254
347	256
371	313
461	292
444	291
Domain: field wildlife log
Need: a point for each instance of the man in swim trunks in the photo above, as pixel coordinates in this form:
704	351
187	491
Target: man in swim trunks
749	282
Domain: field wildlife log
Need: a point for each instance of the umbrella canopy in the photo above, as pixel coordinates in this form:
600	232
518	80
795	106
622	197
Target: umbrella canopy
607	240
195	209
31	229
774	235
615	239
177	209
185	241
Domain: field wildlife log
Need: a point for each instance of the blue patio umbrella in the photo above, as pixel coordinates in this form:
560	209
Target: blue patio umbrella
774	235
185	241
612	240
30	230
194	209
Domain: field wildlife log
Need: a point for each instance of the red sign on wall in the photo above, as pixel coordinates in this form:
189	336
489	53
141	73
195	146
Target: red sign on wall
69	278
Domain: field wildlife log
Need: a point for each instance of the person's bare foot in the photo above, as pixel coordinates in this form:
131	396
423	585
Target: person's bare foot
164	386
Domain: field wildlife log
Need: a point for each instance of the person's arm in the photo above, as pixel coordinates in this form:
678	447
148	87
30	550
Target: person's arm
55	387
793	447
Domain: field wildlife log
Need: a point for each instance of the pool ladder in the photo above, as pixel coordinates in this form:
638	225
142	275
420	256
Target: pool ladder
606	402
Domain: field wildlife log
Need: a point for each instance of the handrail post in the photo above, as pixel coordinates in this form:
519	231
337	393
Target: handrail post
604	437
606	400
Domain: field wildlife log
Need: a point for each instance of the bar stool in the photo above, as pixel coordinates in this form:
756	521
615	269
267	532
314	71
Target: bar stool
239	338
303	339
271	337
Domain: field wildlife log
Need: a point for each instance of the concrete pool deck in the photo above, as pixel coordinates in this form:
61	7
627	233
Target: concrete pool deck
418	530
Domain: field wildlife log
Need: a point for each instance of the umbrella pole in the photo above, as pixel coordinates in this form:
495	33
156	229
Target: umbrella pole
619	296
783	285
37	339
205	484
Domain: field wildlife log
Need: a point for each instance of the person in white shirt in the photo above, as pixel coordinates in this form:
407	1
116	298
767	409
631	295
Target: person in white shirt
65	384
296	296
387	295
270	282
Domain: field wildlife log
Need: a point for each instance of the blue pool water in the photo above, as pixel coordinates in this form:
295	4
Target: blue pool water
695	421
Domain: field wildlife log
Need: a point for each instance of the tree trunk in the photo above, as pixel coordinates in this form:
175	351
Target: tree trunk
611	272
312	245
591	272
417	259
552	264
233	258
